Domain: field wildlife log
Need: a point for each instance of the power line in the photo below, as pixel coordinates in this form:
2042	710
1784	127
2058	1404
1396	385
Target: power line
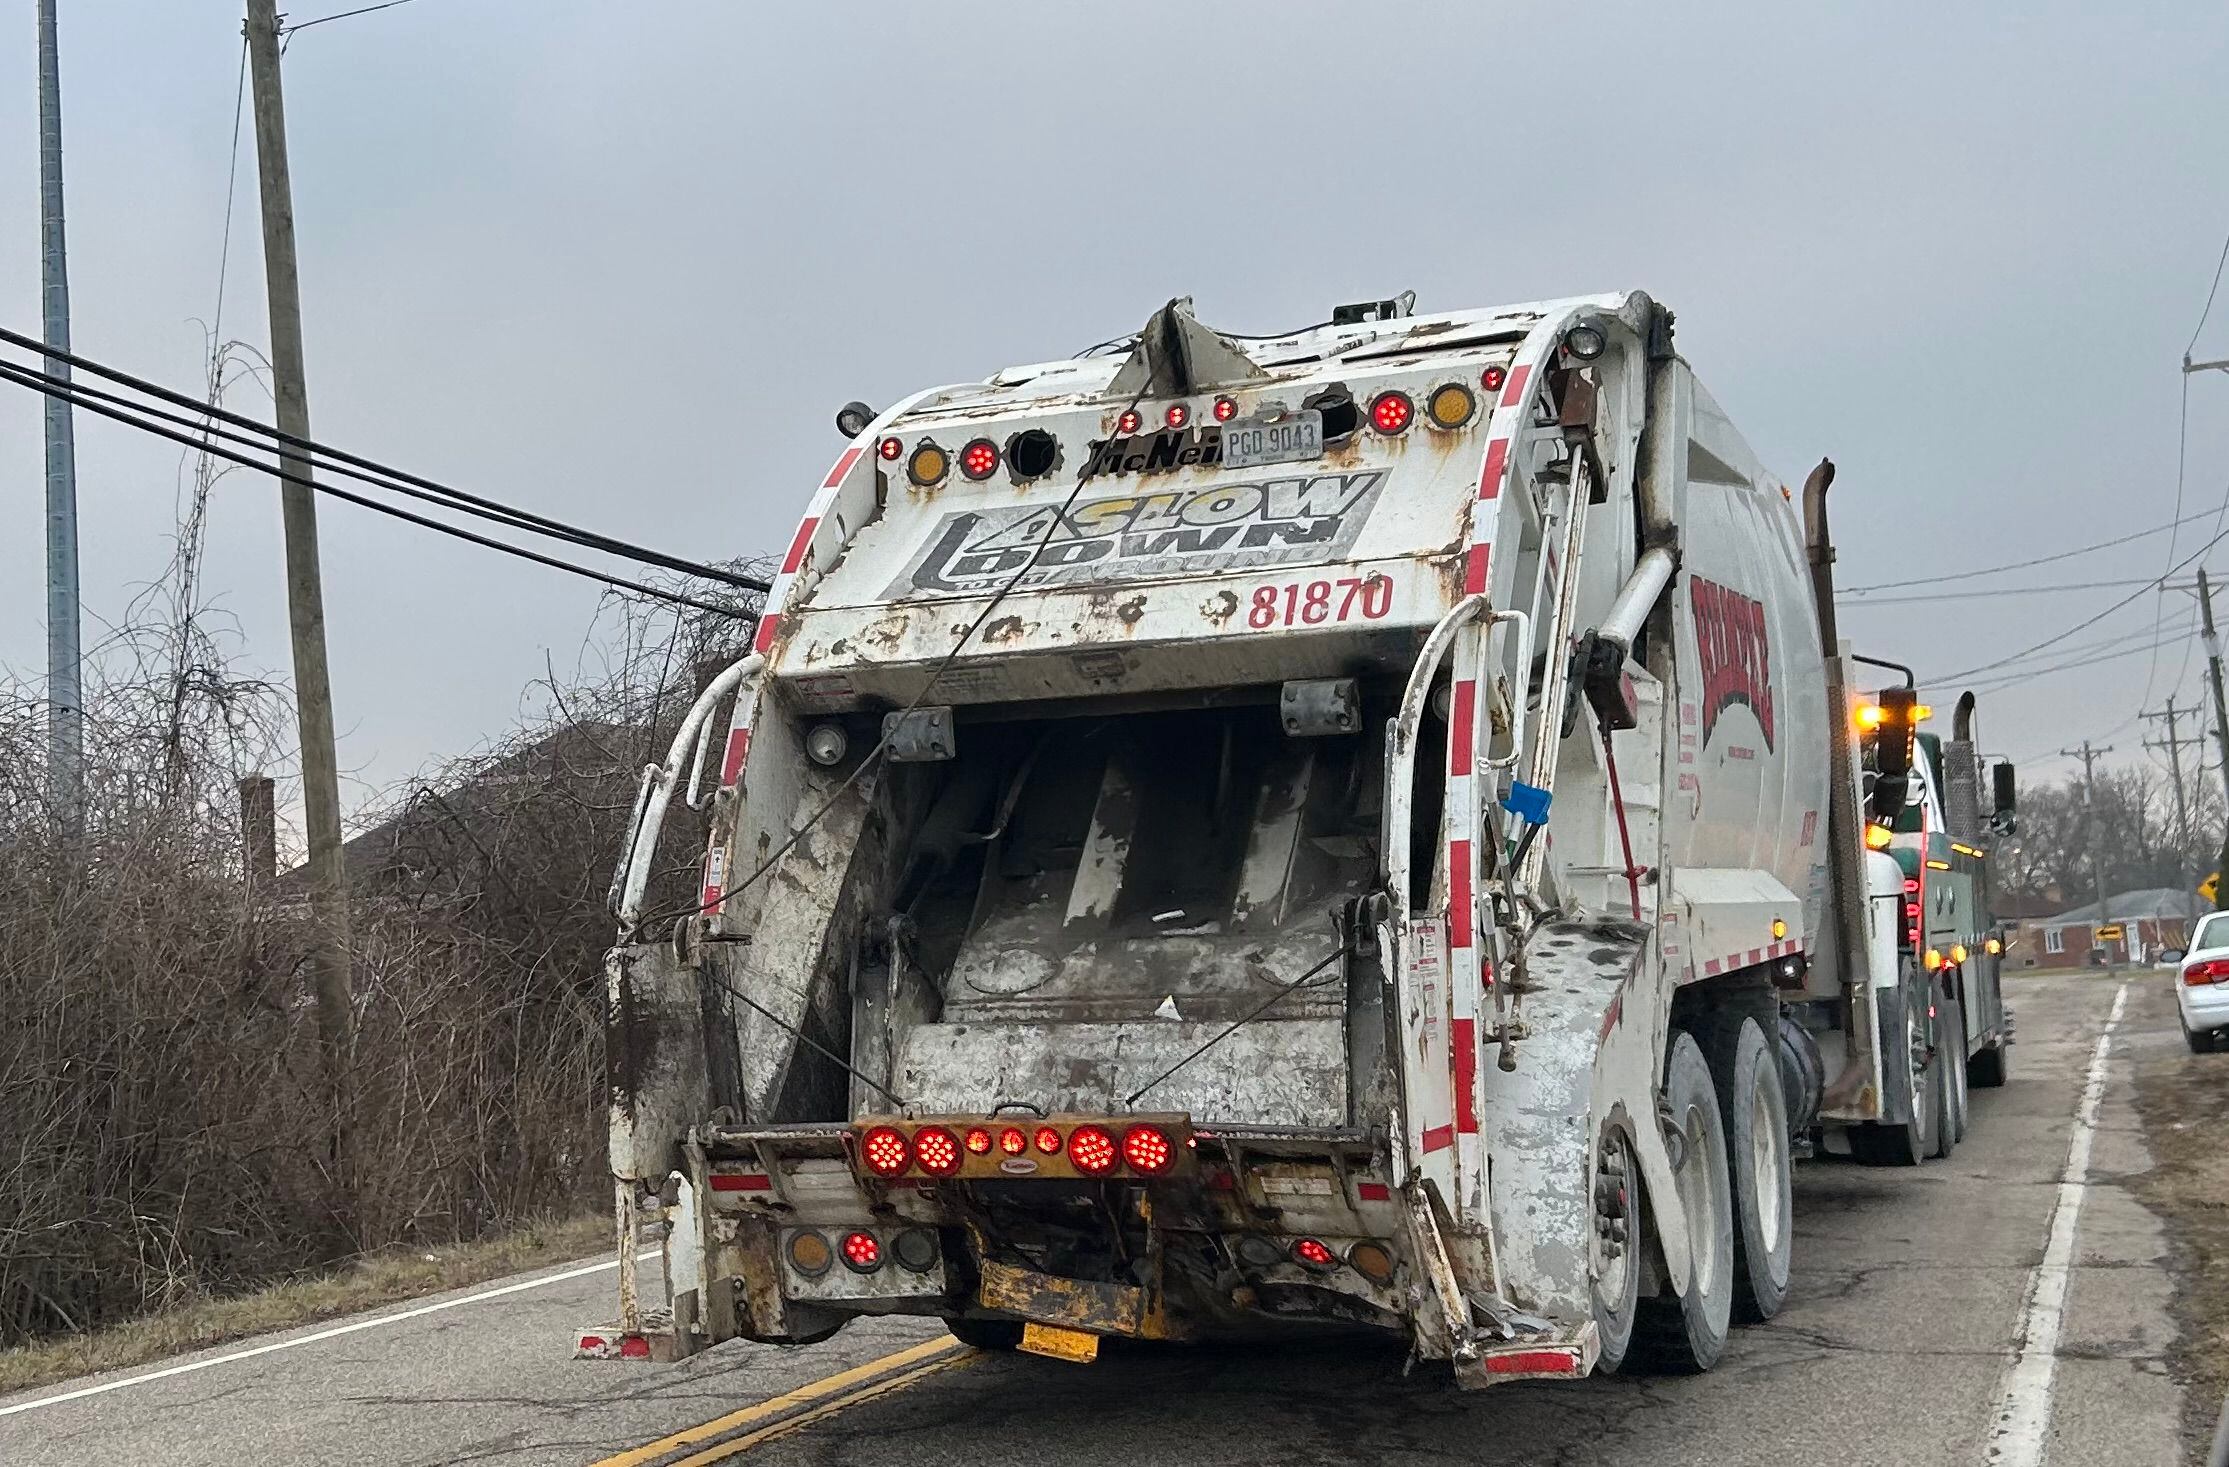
2199	329
323	19
40	382
348	464
2087	622
1999	591
2014	565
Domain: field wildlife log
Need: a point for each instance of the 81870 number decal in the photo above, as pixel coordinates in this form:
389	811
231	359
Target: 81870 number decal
1310	603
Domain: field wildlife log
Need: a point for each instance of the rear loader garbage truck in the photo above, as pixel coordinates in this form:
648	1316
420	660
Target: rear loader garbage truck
1218	836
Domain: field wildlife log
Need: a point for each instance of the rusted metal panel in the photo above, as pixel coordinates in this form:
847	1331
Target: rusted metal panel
1103	1309
655	1059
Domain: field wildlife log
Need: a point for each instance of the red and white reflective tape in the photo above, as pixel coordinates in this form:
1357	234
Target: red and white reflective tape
1750	958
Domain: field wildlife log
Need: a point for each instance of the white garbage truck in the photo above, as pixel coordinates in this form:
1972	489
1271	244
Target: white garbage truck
1370	827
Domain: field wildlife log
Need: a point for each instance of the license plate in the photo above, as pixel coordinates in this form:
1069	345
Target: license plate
1072	1345
1288	439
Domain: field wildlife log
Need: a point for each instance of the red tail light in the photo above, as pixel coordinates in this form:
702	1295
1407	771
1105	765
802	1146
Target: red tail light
937	1150
1147	1150
862	1252
890	448
1092	1149
1910	885
1492	378
1177	415
1226	408
1048	1140
979	459
978	1141
1129	422
2212	970
1014	1143
886	1150
1314	1254
1390	412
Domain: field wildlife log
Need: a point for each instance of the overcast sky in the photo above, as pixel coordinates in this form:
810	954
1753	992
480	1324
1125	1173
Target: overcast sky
620	263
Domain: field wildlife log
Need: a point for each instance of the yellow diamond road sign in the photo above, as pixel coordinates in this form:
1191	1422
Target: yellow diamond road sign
2210	888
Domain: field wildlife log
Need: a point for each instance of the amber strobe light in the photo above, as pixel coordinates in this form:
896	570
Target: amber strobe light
886	1151
928	465
808	1253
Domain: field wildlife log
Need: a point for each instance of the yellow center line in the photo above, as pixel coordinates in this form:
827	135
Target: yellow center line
737	1446
941	1351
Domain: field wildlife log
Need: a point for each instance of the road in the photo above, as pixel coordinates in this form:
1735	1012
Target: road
1914	1292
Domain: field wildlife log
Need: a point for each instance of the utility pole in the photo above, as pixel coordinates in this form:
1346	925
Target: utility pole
2173	745
65	695
305	596
2213	676
2097	828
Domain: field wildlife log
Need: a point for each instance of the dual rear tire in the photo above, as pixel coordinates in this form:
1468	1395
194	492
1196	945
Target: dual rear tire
1732	1185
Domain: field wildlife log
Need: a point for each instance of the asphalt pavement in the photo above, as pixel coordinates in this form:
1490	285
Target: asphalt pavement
1918	1299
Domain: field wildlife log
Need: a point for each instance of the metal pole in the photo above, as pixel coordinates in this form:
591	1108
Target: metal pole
65	728
305	596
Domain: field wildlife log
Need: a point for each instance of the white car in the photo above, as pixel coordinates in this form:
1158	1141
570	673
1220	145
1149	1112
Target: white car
2202	994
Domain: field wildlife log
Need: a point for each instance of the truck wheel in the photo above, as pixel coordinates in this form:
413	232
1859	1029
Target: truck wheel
1990	1069
1756	1112
1614	1263
1688	1333
1905	1061
1952	1056
987	1334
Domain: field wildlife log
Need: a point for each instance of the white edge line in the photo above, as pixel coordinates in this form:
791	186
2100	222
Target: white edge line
376	1322
2022	1432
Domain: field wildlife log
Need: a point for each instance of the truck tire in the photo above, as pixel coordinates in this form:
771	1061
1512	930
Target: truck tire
1953	1056
1687	1333
1905	1061
987	1334
1761	1165
1615	1265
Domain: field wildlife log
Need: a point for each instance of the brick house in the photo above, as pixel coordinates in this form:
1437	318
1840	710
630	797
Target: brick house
2151	921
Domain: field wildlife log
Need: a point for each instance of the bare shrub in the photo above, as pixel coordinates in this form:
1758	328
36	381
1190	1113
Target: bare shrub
160	1137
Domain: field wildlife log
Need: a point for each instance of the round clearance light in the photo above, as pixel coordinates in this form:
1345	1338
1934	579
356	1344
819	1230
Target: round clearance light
887	1151
928	465
862	1252
937	1151
1092	1149
1147	1150
1314	1254
978	1141
1177	415
1372	1262
1390	412
1226	408
1129	422
1451	405
979	460
1586	340
890	448
916	1250
1493	377
1032	453
1256	1251
1779	928
809	1253
1992	947
825	744
1048	1140
1012	1142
